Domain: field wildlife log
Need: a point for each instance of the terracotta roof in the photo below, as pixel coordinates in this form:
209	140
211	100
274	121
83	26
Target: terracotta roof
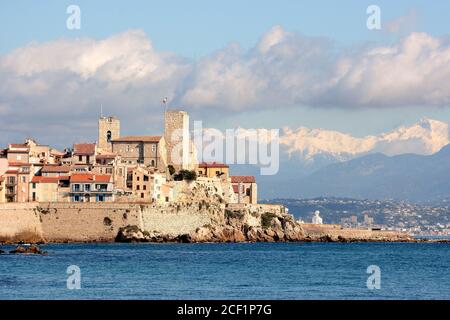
84	149
18	151
89	177
57	152
55	169
138	139
39	179
212	165
18	145
18	164
106	156
243	179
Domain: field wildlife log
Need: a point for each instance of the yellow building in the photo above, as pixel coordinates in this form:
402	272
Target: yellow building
213	170
50	189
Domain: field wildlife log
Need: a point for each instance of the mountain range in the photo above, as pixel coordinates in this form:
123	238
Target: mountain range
410	163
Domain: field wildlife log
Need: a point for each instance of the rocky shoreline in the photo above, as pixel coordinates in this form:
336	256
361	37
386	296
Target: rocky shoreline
237	227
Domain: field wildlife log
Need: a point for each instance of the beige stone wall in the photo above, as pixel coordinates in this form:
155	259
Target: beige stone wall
2	190
80	222
17	219
133	152
335	230
177	139
178	218
259	208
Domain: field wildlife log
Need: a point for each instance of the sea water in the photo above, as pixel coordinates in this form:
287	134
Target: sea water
228	271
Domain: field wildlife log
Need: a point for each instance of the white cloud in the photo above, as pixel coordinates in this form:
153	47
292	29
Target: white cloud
64	82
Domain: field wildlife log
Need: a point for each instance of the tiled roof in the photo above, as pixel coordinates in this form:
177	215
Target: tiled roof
90	177
84	149
18	164
138	139
18	145
55	169
39	179
243	179
106	156
212	165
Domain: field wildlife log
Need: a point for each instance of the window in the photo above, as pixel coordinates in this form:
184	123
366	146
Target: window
142	195
128	148
33	185
247	192
145	178
167	199
153	147
34	196
138	187
24	179
87	187
19	157
80	158
11	180
153	163
76	198
76	187
144	187
108	136
101	198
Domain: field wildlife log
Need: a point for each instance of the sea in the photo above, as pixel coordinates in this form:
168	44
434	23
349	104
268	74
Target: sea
229	271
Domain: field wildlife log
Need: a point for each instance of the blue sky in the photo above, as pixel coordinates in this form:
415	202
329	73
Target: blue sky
198	29
195	28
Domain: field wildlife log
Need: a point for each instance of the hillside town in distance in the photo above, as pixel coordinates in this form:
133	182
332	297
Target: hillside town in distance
424	219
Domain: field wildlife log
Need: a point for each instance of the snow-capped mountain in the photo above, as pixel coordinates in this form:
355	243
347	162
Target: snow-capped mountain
425	137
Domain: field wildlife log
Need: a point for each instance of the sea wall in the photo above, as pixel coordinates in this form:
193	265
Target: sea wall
180	218
335	233
201	221
87	222
19	221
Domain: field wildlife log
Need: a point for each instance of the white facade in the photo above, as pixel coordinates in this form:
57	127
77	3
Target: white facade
316	219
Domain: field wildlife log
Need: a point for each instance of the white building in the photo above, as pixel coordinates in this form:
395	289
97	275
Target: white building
316	219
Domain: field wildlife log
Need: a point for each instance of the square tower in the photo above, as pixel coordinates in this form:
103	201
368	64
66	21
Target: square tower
177	139
108	129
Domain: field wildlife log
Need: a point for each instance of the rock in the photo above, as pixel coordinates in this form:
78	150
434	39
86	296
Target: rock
33	249
1	251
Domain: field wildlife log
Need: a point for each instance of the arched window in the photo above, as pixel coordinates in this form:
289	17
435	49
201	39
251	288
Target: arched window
108	136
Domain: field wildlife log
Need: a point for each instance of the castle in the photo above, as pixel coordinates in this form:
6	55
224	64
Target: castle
115	168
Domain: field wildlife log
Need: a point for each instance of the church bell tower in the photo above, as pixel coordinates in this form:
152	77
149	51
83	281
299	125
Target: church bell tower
108	129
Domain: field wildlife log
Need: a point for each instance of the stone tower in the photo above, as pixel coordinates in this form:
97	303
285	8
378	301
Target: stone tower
108	129
177	139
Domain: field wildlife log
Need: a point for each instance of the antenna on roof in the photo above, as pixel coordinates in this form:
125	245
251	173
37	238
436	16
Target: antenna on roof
101	110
